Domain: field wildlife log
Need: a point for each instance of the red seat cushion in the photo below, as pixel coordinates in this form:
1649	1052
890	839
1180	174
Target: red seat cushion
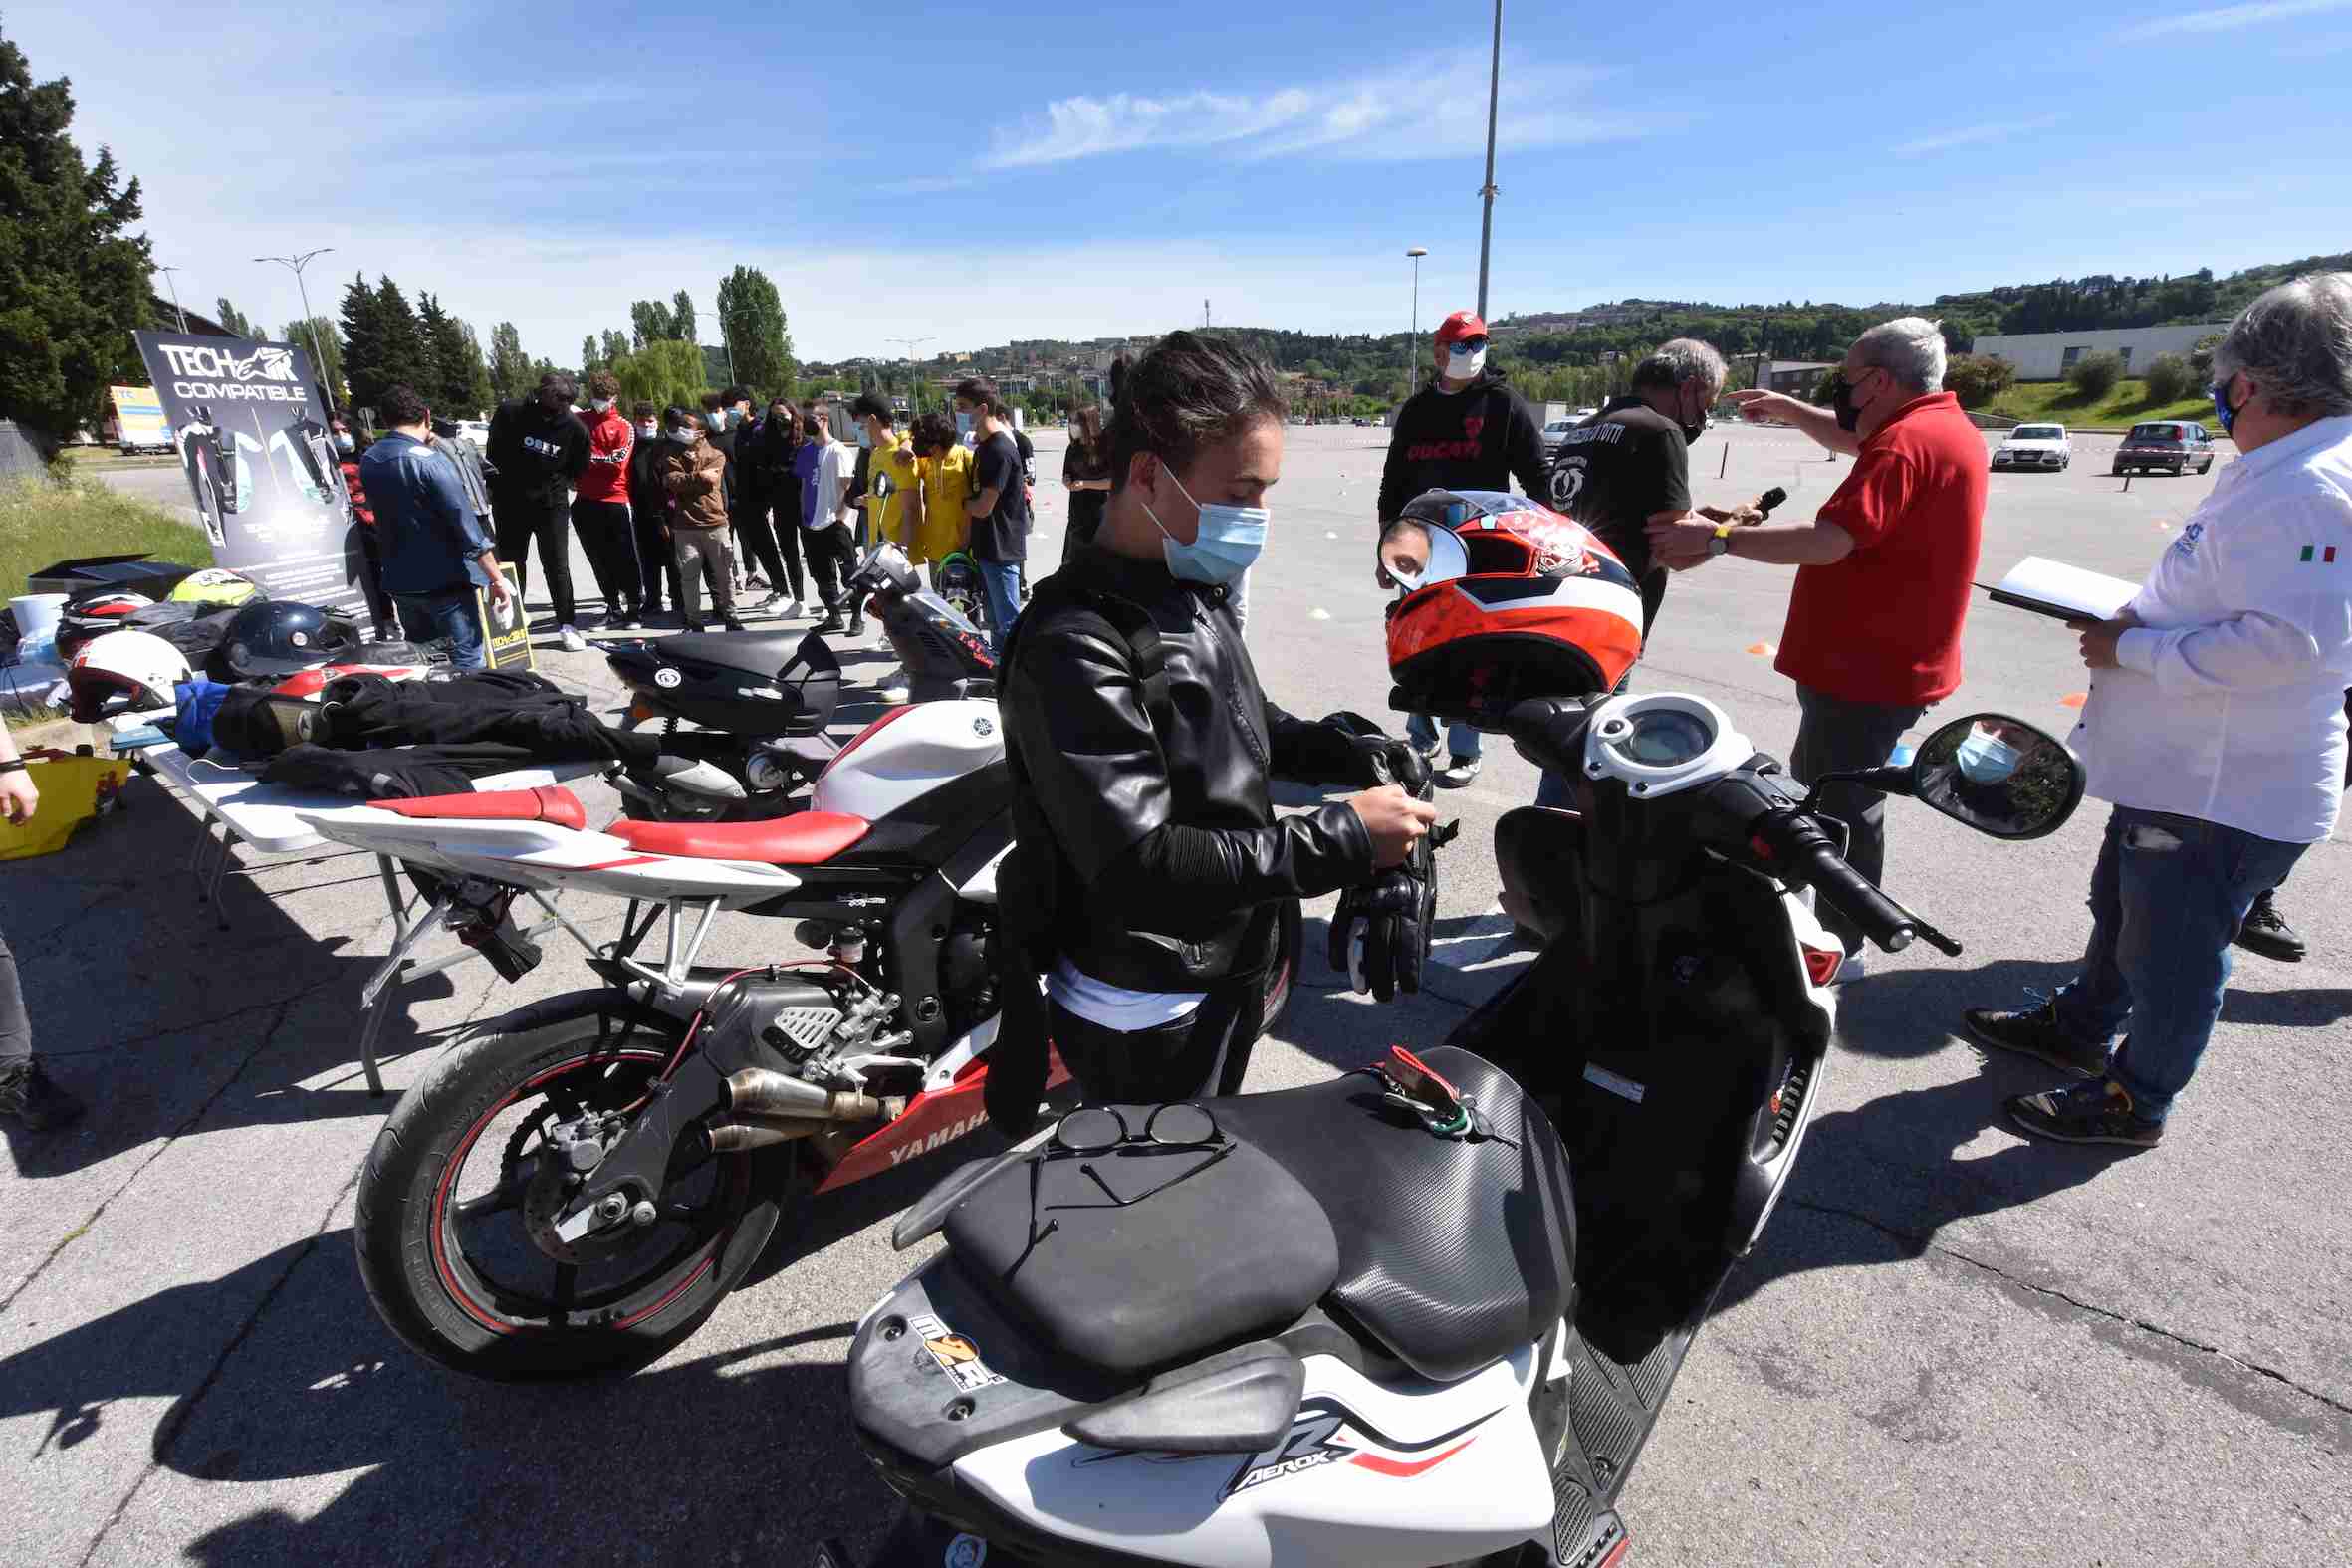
546	803
805	839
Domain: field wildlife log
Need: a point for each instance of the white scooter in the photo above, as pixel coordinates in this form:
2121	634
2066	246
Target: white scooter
1428	1313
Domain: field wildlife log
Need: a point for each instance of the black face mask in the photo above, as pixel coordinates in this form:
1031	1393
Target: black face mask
1842	405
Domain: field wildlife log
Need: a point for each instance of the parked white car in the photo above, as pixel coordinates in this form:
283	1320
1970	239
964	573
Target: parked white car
1557	432
2034	446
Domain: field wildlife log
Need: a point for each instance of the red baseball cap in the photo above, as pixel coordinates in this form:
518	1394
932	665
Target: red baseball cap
1459	324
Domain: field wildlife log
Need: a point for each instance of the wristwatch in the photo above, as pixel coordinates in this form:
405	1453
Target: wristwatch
15	765
1722	541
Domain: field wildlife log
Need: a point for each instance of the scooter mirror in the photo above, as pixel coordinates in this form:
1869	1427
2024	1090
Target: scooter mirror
2000	775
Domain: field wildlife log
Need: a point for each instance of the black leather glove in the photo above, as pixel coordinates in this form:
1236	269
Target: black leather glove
1380	932
1379	759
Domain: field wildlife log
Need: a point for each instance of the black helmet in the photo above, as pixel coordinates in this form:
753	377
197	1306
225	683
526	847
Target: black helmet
273	637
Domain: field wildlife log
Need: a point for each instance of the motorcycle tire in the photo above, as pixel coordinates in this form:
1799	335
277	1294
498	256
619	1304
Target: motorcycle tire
1283	981
424	1252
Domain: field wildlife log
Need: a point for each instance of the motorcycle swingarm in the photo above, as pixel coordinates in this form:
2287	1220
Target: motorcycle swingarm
638	1165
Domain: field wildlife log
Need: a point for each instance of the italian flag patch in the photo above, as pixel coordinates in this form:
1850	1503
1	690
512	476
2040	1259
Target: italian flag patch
2325	555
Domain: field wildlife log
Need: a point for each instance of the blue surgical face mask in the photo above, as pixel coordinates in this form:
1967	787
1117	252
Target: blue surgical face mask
2223	412
963	424
1986	759
1227	541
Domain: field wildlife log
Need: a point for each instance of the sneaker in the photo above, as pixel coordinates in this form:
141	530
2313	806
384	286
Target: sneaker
1459	771
2266	932
832	624
571	640
692	625
620	621
2096	1112
1854	966
732	624
2037	1033
29	1096
789	610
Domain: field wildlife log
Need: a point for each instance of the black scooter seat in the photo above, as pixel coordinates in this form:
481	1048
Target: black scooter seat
761	653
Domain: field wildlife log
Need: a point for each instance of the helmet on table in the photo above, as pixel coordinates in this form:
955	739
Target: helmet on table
216	585
279	637
134	670
1517	601
94	617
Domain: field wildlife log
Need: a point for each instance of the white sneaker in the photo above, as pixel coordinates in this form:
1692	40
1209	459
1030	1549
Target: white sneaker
788	608
571	640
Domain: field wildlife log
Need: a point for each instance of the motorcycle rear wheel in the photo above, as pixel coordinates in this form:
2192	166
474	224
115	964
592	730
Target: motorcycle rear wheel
441	1234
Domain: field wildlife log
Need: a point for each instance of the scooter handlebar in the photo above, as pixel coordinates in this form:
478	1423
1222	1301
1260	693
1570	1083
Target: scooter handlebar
1798	846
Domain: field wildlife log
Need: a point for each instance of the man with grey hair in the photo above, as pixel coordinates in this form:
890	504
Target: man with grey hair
1883	573
2216	726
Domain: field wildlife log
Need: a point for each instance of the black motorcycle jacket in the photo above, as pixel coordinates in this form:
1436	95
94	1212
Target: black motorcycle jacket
1150	835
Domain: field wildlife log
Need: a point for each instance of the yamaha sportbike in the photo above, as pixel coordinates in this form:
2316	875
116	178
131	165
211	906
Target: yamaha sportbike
1428	1313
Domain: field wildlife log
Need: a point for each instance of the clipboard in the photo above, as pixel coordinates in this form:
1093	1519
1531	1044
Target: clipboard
2062	592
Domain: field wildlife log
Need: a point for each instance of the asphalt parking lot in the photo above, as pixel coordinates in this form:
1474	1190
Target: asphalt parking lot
1950	1347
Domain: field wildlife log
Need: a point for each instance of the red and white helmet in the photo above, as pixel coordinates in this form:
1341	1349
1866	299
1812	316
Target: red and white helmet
124	669
94	617
1517	601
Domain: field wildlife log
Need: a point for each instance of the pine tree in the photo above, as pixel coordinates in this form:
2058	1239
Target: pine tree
363	365
481	396
682	317
454	358
73	279
236	321
328	349
510	368
408	358
751	315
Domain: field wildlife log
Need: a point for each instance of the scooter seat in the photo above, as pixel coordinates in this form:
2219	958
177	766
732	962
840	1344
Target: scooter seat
546	803
760	653
805	839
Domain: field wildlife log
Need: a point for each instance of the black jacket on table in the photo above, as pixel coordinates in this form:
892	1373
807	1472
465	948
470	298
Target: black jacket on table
1163	846
535	456
1478	438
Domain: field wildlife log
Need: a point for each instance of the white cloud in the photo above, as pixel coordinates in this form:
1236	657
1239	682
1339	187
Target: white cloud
1430	113
1974	136
2229	18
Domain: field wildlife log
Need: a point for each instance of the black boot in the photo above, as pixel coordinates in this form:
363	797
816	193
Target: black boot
30	1096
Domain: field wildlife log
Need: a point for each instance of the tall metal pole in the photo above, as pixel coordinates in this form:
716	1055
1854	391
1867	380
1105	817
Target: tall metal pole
296	264
1486	227
1413	348
174	282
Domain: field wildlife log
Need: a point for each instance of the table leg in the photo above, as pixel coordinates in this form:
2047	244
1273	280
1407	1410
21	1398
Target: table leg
220	869
377	995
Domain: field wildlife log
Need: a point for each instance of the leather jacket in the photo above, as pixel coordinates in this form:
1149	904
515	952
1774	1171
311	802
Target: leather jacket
1162	847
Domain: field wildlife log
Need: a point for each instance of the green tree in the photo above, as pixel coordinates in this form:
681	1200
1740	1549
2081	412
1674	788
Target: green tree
751	315
2094	375
650	322
238	324
587	354
362	342
407	355
455	359
73	277
1977	379
2201	359
510	368
2168	377
665	372
480	395
328	349
613	346
682	317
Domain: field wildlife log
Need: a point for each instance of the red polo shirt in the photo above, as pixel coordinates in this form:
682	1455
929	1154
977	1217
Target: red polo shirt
1883	624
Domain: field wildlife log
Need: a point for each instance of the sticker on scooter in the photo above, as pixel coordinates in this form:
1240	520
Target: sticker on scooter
954	1355
1313	1443
966	1551
1615	1082
667	678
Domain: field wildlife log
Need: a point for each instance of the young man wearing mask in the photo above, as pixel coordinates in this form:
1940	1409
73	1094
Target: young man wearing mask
694	474
889	456
1146	841
538	449
650	511
768	520
999	508
825	505
599	512
1465	430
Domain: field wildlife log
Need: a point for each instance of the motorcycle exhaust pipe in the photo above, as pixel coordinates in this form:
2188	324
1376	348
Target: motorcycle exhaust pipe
760	1095
734	1137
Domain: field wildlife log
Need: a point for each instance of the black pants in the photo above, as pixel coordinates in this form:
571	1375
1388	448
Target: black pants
379	603
832	556
16	1030
657	564
1192	1058
611	541
1837	735
524	518
773	552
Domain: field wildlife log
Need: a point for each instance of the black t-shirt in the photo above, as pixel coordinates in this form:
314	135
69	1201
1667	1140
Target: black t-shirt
1086	506
1615	469
1003	534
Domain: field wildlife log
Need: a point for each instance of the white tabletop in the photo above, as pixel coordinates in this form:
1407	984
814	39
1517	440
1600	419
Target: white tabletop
264	815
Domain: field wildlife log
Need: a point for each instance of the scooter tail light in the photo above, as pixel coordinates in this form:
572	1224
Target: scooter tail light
1823	963
889	716
641	711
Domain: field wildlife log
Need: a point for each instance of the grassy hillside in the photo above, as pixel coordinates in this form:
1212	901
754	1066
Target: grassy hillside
42	523
2120	409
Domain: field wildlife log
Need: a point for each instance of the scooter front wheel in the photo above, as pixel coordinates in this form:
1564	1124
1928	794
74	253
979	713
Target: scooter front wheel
454	1229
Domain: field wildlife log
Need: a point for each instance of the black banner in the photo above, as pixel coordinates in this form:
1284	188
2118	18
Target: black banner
250	430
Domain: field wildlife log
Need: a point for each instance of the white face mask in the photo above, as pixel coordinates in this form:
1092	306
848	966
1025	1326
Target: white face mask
649	430
1462	367
602	405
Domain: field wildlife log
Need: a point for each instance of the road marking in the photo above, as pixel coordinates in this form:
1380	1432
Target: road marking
1318	613
2074	699
1763	650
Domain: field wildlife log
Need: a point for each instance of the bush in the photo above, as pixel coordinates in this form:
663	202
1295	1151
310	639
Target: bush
2094	375
42	523
1977	379
2169	379
1826	386
2201	359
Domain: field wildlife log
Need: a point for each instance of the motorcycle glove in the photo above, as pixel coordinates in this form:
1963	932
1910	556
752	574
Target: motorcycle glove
1380	933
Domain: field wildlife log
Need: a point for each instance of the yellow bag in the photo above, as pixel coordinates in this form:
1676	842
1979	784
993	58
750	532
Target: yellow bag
73	789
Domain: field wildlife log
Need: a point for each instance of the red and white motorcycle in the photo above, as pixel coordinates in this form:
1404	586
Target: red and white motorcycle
573	1190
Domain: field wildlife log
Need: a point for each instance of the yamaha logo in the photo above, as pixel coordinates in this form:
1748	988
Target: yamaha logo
982	727
666	679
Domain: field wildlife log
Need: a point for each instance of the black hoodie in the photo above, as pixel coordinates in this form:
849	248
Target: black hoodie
537	456
1475	439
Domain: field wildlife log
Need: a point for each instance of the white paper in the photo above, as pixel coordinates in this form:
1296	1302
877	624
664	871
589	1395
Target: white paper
2091	596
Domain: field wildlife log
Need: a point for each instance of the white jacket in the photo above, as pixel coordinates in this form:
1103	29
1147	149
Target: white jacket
2229	705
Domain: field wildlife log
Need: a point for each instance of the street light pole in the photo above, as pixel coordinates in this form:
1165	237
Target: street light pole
311	323
1413	349
914	379
1486	227
175	305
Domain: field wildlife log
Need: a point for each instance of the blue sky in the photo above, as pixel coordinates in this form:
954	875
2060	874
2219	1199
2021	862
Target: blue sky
973	174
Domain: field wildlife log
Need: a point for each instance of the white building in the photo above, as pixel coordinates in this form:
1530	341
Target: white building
2047	357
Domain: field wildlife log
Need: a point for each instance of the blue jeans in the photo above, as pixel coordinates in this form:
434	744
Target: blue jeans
1462	740
452	614
1002	582
2166	898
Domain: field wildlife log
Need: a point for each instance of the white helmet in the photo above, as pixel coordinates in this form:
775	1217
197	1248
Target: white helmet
124	669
